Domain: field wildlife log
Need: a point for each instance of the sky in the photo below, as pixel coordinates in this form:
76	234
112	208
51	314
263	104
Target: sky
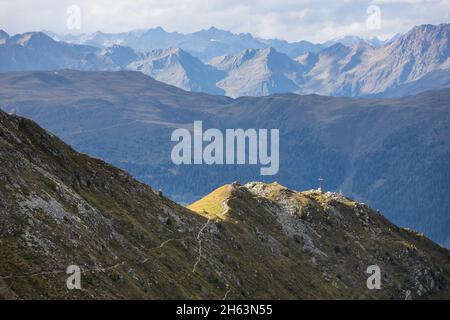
292	20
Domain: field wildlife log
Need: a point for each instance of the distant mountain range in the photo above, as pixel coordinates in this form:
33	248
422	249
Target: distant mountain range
390	153
350	41
37	51
270	72
203	44
220	62
178	68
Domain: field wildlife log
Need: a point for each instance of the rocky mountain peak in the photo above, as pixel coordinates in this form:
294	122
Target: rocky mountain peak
3	37
31	38
177	67
336	50
424	38
326	226
3	34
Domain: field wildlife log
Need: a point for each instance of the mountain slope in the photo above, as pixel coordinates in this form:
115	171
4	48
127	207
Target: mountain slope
258	73
364	70
350	41
37	51
292	49
210	43
434	80
332	231
204	44
60	208
322	69
390	153
120	56
176	67
3	36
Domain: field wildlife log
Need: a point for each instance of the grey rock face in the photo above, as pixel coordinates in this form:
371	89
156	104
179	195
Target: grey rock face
176	67
258	73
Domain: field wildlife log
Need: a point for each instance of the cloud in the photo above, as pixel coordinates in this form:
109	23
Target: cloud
293	20
406	1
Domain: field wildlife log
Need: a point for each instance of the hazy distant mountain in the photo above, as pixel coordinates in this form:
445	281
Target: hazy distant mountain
422	50
258	73
292	49
120	56
153	39
203	44
438	79
339	70
324	69
395	37
353	40
391	154
350	41
3	36
176	67
249	67
37	51
364	70
99	39
207	44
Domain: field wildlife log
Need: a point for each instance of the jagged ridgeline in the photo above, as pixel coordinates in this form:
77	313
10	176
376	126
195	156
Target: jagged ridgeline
60	208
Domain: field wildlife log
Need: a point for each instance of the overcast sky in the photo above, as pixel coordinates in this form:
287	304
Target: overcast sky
314	20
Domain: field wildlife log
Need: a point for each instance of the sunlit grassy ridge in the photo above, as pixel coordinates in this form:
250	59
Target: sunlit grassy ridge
211	206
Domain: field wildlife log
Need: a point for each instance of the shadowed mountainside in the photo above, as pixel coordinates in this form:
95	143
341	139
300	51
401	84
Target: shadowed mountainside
61	208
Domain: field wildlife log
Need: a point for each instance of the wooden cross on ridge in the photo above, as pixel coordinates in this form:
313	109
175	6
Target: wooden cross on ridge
320	184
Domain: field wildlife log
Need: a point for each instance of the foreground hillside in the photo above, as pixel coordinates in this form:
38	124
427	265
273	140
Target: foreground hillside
61	208
390	153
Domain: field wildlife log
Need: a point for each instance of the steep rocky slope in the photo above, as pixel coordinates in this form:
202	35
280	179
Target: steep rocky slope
363	70
61	208
178	68
258	73
334	239
3	36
